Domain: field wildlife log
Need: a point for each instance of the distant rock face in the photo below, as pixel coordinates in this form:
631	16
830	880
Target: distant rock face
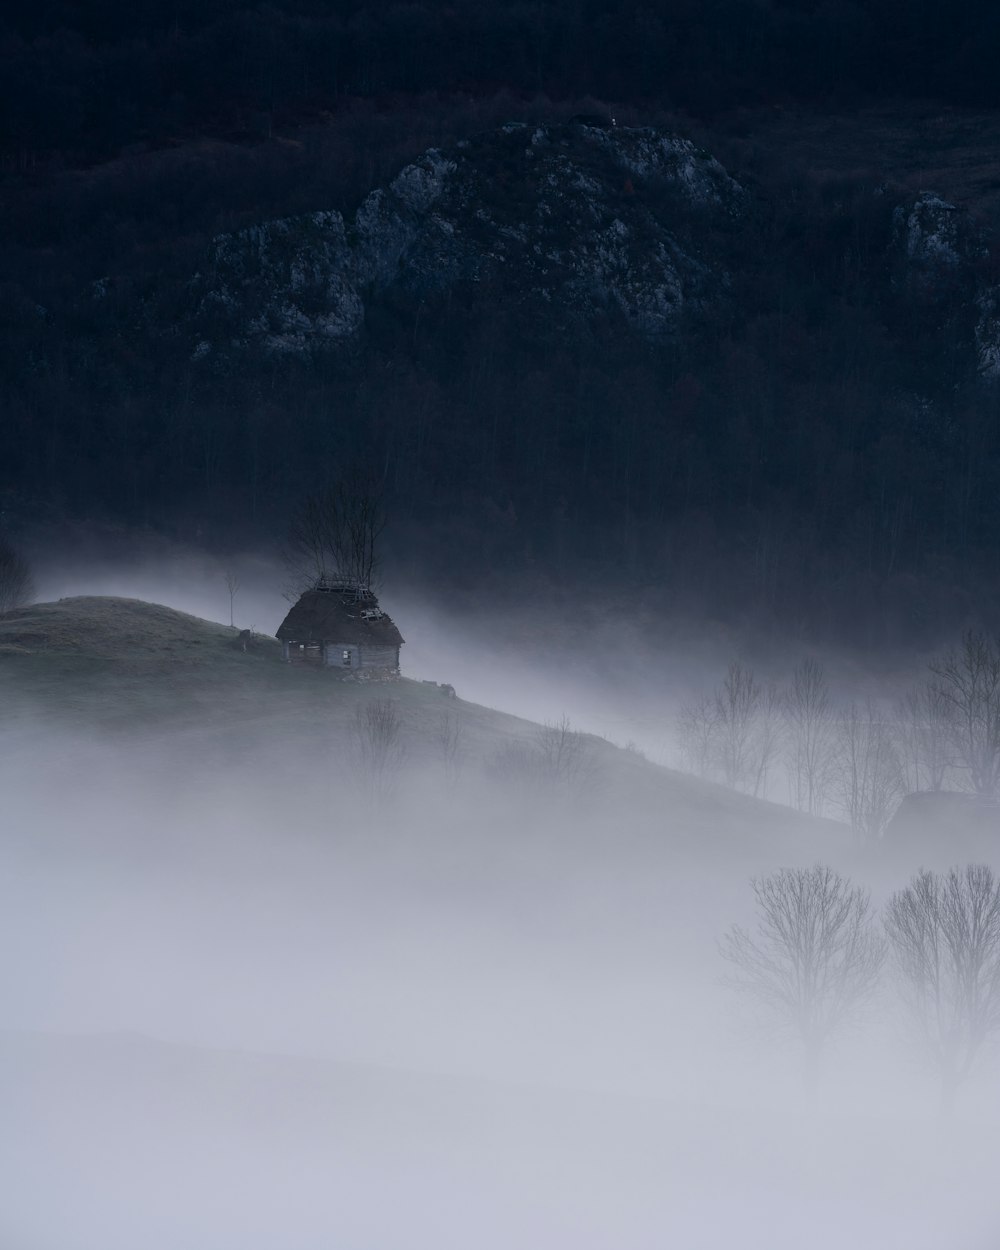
581	218
567	222
934	234
939	250
288	285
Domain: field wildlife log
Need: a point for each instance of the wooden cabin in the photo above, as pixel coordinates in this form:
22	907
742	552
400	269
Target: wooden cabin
340	626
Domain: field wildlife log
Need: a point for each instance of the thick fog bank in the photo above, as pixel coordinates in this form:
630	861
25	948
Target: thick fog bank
264	987
611	670
247	1002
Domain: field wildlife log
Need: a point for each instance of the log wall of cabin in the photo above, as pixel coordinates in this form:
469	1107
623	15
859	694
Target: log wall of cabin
379	657
303	652
334	654
331	654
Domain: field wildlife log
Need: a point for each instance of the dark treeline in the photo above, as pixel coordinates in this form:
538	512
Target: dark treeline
823	452
86	79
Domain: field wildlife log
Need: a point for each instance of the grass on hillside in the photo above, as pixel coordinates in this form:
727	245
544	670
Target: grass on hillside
139	673
126	664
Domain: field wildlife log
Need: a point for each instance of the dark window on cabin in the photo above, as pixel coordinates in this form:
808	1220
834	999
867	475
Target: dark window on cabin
346	661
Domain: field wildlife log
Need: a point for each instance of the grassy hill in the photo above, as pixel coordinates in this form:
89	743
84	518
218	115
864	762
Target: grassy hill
250	1006
137	672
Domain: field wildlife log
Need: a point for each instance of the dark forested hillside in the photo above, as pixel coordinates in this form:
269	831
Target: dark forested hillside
84	79
811	434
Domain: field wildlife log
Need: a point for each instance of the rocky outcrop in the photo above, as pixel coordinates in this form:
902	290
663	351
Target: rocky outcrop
287	285
934	235
938	258
574	218
568	222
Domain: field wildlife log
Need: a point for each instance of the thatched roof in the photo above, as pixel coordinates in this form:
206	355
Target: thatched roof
337	616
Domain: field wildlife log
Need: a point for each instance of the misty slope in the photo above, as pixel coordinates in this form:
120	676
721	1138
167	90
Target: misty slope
487	1015
148	677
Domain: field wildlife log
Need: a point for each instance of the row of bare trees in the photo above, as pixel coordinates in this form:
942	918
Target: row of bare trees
816	957
858	759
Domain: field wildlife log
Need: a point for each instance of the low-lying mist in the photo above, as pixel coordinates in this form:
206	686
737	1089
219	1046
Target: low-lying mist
248	1003
259	990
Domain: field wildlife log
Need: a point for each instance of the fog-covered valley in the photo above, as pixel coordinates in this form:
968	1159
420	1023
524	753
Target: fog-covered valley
499	625
256	995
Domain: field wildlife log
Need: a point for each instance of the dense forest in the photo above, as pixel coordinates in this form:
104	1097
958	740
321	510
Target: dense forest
86	79
823	450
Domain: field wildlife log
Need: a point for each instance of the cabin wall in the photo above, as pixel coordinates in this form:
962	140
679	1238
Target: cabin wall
379	657
349	655
303	652
341	655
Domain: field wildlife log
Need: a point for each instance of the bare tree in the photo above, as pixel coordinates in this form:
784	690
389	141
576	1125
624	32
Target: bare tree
558	760
447	738
16	585
867	781
378	737
811	961
232	585
565	755
335	534
924	732
768	734
944	932
810	722
734	733
969	682
516	763
737	706
697	728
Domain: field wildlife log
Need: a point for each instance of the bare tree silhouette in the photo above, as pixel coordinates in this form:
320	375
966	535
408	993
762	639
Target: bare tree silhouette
697	725
335	533
944	933
924	732
810	722
969	682
378	738
16	585
737	704
812	960
233	586
447	739
867	778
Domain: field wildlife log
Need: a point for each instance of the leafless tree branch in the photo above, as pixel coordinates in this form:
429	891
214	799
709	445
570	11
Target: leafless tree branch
944	933
335	533
969	686
812	959
16	585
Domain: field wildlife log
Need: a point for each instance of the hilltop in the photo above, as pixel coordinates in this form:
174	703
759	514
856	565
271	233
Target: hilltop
142	675
732	368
